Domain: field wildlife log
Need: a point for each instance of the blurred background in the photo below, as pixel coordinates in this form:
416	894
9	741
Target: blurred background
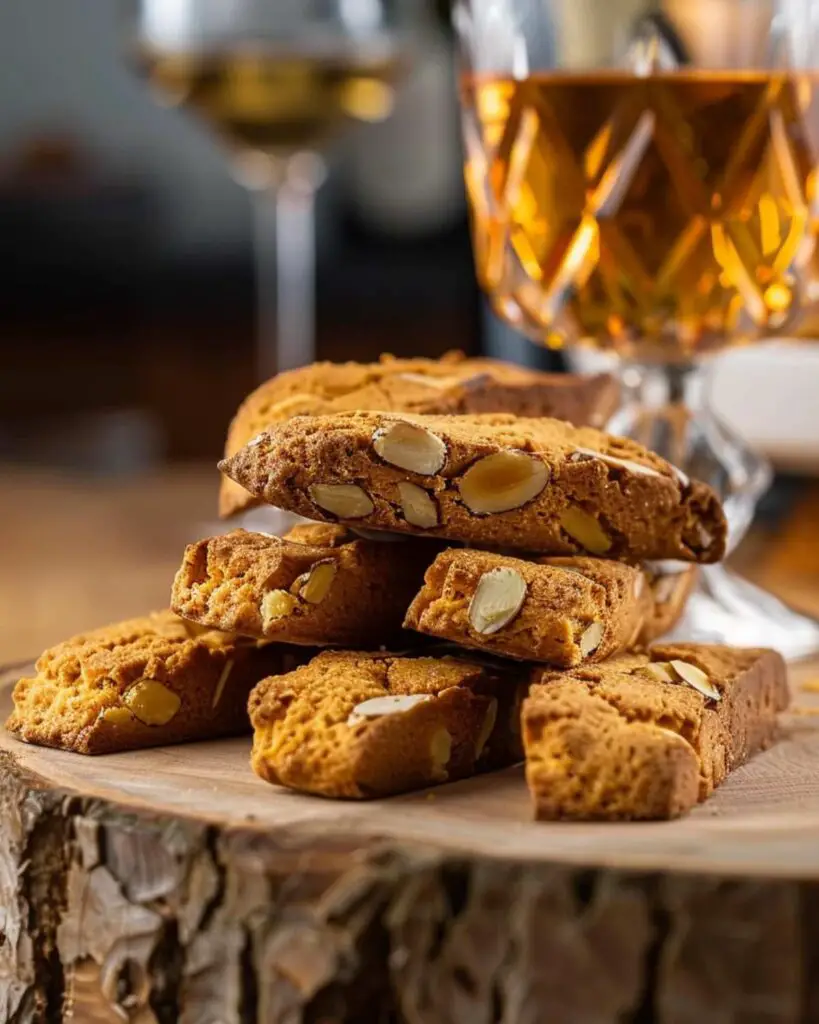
128	314
127	292
128	319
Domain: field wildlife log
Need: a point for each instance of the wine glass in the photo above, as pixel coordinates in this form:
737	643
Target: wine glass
277	80
642	179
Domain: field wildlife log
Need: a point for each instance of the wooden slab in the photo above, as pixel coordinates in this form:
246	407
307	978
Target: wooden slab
763	821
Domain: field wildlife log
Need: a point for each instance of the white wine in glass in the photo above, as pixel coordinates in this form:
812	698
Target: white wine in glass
275	102
277	80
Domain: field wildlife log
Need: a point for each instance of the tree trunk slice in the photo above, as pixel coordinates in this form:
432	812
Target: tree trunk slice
173	886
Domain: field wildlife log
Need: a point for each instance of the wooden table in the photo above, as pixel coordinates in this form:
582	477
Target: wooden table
175	886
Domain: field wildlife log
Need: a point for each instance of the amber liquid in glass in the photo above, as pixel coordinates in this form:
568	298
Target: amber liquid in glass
661	216
274	101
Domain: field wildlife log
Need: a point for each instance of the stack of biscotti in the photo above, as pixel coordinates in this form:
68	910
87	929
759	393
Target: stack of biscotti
485	581
163	678
554	526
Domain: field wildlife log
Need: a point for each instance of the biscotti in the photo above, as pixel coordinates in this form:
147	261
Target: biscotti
320	585
452	385
646	736
356	725
142	683
671	586
571	611
493	481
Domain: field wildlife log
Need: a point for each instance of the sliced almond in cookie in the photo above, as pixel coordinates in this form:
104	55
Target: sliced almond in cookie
116	716
152	702
314	586
661	671
498	598
488	725
696	679
347	501
410	447
440	749
591	638
502	482
277	604
582	454
585	529
220	685
418	506
378	707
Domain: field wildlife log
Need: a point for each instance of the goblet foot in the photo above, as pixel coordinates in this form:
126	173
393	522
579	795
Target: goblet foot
727	609
667	410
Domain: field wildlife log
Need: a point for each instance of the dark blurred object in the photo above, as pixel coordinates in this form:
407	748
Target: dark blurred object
108	443
127	292
68	225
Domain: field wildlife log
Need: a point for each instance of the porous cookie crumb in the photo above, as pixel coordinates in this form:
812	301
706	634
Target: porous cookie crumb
320	585
638	738
360	725
146	682
565	612
538	485
451	384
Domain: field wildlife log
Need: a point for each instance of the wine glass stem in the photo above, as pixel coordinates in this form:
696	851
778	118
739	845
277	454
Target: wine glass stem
286	269
666	408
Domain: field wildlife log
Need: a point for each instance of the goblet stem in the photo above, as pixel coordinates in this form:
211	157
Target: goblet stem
285	251
667	409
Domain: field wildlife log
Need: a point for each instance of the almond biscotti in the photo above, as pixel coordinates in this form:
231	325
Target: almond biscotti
647	736
356	725
319	585
671	586
146	682
493	481
567	612
450	385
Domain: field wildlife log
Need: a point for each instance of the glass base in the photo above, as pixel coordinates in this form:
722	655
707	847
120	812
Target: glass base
726	609
667	409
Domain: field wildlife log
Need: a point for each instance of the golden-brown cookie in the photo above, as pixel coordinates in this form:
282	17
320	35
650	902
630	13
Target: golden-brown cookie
452	384
358	725
645	736
493	481
146	682
319	585
568	612
671	588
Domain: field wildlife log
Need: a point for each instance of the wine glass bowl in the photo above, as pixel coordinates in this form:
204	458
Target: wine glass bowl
642	179
277	81
661	217
289	84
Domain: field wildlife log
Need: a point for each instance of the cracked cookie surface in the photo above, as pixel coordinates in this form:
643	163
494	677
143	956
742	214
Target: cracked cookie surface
647	736
493	481
320	585
356	725
564	611
145	682
451	384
